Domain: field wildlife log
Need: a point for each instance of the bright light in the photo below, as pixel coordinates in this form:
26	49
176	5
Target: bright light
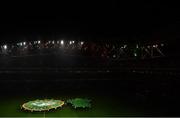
135	54
52	42
21	44
62	42
82	42
125	46
5	47
154	46
49	42
39	42
24	43
137	46
70	42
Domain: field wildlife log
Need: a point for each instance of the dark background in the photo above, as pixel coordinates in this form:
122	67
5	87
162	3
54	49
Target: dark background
126	22
129	21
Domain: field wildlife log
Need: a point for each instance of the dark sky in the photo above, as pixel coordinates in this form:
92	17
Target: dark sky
114	19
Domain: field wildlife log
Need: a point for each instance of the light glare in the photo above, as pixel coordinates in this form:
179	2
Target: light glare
82	42
62	42
5	47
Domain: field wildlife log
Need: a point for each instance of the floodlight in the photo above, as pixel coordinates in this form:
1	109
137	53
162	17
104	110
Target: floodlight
5	47
62	42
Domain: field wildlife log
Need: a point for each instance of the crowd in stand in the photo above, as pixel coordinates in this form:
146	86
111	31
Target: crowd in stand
82	48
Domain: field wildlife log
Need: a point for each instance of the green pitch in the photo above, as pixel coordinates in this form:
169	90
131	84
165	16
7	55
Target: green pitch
101	106
79	103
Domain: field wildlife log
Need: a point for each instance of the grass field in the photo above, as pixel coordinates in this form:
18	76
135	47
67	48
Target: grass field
101	106
127	96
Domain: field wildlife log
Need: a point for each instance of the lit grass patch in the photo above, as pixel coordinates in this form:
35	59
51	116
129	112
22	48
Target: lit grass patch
80	103
42	105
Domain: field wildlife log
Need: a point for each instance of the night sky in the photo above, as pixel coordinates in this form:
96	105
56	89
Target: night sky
114	20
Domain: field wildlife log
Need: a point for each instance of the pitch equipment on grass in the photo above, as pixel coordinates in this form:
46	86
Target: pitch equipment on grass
42	105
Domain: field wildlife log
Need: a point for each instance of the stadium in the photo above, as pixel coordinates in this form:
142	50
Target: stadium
121	72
